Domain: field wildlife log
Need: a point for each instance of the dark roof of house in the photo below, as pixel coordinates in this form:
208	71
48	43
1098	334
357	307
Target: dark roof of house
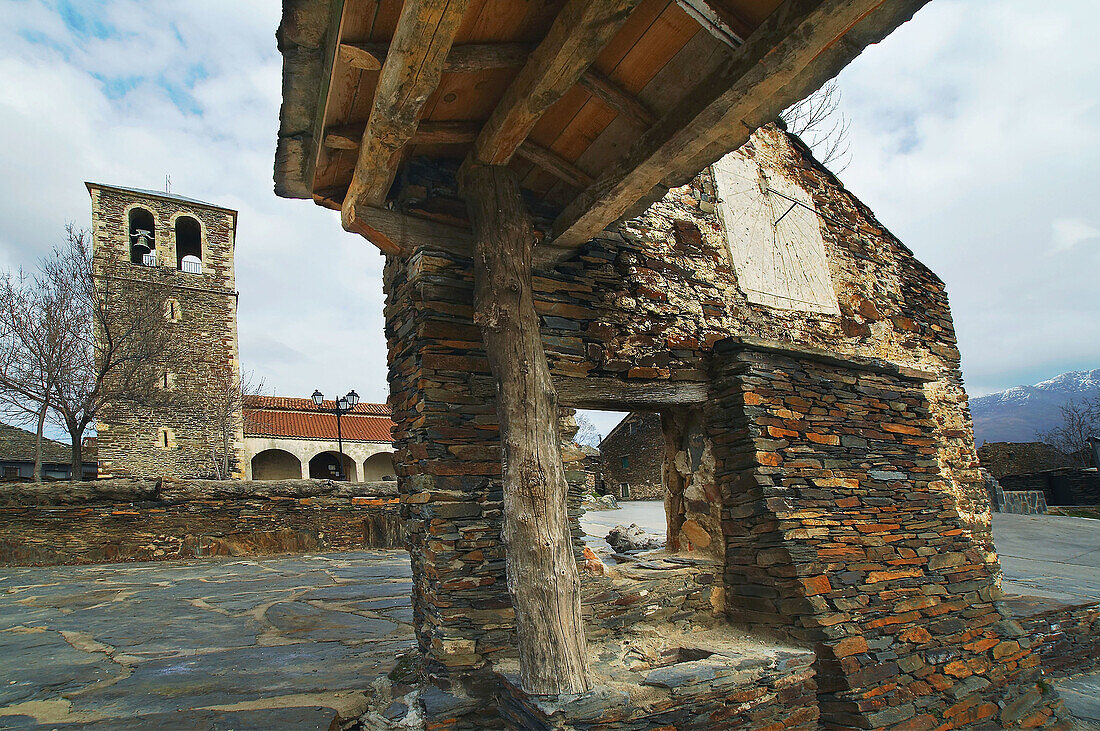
299	418
17	445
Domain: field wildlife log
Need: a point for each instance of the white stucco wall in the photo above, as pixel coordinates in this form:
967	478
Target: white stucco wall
307	449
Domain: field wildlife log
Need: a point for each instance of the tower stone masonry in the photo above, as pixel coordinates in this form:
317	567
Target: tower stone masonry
182	249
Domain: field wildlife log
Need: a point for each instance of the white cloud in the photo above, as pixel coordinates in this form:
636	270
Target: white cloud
191	89
974	127
1066	233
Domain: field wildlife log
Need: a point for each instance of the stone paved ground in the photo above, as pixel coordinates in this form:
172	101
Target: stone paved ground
289	641
281	642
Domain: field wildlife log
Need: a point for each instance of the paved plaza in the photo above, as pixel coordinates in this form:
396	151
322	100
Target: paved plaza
281	642
293	641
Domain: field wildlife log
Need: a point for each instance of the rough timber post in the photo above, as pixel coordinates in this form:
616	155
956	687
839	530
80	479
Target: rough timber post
541	568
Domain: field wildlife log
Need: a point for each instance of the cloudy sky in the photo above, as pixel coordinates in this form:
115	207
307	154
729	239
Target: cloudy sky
974	136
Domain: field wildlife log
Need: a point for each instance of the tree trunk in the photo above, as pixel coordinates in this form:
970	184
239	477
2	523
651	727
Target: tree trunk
541	568
76	469
38	441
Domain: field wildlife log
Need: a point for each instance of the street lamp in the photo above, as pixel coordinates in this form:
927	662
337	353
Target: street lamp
344	404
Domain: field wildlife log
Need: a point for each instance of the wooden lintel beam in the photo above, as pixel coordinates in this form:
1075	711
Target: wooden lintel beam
411	72
801	40
613	393
398	233
615	97
464	58
346	137
578	34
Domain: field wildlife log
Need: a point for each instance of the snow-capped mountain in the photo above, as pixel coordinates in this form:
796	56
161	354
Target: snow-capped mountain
1014	415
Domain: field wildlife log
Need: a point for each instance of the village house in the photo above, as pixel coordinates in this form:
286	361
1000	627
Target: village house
17	452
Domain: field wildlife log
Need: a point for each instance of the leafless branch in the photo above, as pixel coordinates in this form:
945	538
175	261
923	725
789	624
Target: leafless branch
817	119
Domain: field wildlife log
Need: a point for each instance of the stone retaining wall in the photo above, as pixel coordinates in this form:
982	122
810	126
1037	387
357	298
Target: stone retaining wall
153	520
1068	486
1023	502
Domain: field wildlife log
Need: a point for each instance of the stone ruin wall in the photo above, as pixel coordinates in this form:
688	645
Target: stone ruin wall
650	301
128	431
642	306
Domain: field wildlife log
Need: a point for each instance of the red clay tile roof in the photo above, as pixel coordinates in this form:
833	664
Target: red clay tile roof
304	425
299	418
305	404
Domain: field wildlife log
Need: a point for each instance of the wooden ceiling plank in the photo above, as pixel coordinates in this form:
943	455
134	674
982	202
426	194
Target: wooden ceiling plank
802	38
577	36
411	72
640	61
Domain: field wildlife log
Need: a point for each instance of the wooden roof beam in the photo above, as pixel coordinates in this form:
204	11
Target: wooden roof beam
349	136
578	34
411	72
800	45
718	21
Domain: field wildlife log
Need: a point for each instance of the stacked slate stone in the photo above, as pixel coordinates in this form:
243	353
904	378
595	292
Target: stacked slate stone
1067	637
841	532
654	592
158	520
776	692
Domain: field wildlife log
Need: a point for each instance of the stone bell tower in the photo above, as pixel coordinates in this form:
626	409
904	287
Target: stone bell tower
181	249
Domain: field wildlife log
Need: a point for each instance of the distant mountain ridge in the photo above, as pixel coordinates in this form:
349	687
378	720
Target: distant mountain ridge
1015	414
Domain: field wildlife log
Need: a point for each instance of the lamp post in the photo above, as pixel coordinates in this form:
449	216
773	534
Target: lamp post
344	404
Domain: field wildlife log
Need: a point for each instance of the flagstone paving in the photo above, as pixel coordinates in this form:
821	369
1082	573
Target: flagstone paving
285	642
292	641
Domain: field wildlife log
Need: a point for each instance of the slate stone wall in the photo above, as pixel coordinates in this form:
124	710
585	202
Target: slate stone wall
842	531
129	432
1067	637
109	521
647	302
643	306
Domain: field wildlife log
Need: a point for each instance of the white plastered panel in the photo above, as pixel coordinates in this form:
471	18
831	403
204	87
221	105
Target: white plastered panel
775	242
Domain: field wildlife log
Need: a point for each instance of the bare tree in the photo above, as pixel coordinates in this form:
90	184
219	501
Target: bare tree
817	119
586	432
1080	420
35	333
120	340
221	409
